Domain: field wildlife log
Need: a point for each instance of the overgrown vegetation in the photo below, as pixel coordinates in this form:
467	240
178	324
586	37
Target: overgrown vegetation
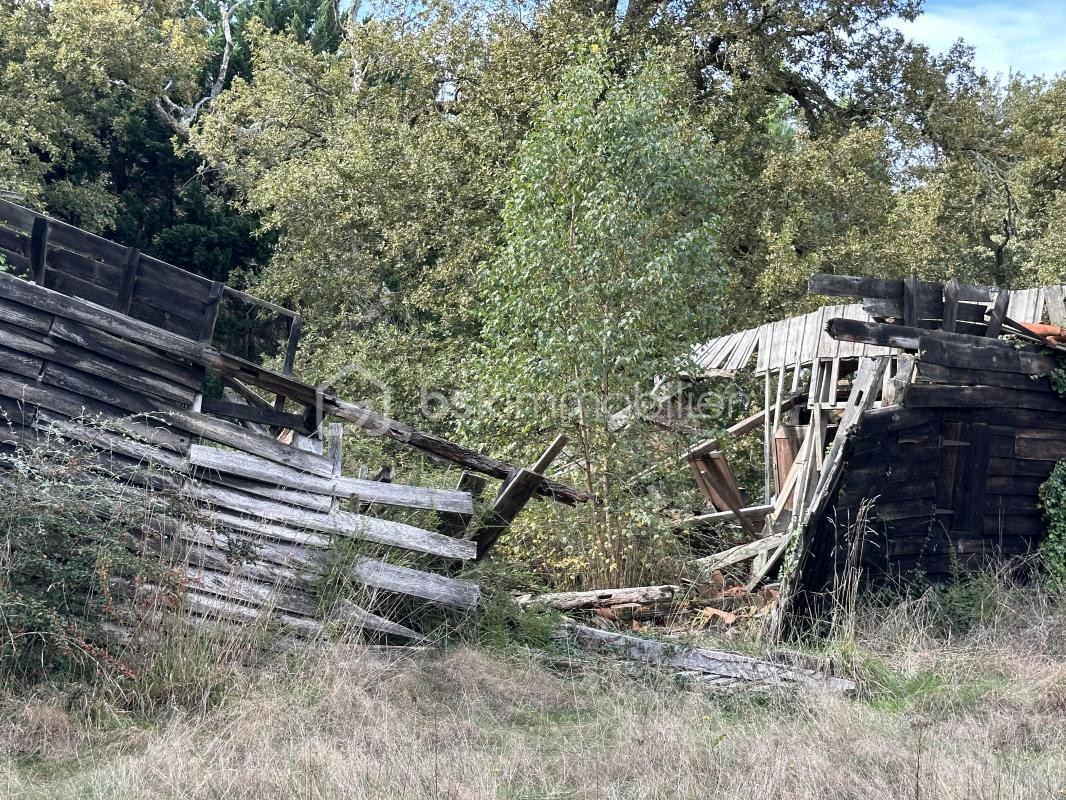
943	713
559	197
70	563
1053	546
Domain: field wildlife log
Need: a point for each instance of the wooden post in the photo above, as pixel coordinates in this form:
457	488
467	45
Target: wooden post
39	250
999	313
910	300
130	266
335	437
766	441
513	497
951	305
296	328
777	416
214	301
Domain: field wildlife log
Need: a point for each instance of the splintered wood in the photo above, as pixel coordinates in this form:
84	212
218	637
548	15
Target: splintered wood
946	434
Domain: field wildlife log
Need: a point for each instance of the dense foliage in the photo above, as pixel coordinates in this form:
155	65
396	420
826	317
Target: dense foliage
430	184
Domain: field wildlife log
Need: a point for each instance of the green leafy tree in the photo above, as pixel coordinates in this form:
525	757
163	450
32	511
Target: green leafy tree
607	273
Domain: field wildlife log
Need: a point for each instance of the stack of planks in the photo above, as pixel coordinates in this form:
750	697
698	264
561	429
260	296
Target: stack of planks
63	378
115	362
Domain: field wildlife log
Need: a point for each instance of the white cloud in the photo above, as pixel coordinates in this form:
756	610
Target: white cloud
1024	36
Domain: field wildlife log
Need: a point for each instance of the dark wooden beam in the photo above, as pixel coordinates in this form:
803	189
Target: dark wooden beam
39	250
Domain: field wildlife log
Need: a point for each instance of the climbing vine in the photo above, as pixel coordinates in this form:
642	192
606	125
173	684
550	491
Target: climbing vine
1053	502
1058	380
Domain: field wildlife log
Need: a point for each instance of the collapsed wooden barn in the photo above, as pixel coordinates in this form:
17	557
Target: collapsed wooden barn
110	349
905	434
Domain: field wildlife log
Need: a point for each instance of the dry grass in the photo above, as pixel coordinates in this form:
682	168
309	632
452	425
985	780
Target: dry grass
980	715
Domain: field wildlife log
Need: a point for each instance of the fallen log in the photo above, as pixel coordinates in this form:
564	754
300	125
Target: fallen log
719	663
603	598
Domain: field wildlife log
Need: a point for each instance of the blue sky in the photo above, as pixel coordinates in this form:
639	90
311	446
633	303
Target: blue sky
1027	36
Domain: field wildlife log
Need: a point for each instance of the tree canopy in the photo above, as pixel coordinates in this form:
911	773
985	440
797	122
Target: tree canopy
520	195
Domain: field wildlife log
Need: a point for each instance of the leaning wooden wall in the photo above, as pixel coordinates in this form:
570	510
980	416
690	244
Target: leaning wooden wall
73	371
951	471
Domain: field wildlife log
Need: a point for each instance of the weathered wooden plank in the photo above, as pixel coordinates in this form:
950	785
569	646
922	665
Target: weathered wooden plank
39	250
436	588
16	216
738	429
322	504
1001	524
937	396
261	529
998	314
211	309
73	405
1056	307
877	421
449	451
910	300
390	494
717	662
510	501
958	376
83	268
76	287
128	352
198	424
852	494
17	264
243	411
341	523
360	618
247	548
846	286
130	267
754	512
603	598
233	586
202	554
1010	505
59	352
14	242
965	353
901	336
165	319
1040	448
103	439
209	605
951	305
743	552
21	364
1011	468
177	280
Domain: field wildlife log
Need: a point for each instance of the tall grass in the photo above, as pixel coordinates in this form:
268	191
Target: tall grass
946	711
